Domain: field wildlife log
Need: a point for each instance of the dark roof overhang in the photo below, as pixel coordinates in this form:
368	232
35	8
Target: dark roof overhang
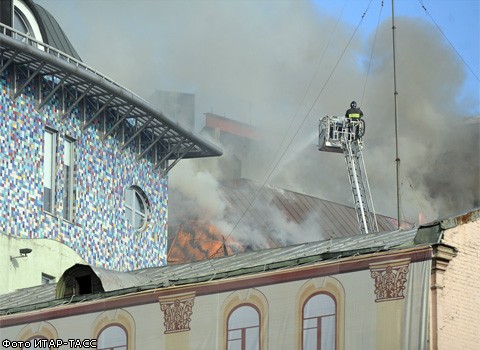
155	136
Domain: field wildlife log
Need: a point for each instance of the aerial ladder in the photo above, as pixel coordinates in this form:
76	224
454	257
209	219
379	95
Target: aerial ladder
343	135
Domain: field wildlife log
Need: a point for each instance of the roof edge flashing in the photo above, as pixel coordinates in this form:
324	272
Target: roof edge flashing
433	232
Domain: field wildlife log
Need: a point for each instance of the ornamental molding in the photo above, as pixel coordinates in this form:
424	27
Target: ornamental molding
177	311
390	278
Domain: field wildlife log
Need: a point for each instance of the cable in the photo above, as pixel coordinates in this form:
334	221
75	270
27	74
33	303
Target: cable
371	53
449	42
269	174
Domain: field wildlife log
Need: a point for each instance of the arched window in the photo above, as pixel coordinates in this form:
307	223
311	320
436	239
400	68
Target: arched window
38	334
24	21
39	343
114	329
112	338
136	207
244	328
21	24
319	320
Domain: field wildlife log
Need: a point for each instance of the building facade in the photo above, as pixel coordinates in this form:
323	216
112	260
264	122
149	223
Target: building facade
394	290
83	160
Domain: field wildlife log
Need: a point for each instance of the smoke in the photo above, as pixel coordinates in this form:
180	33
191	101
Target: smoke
263	225
439	152
267	63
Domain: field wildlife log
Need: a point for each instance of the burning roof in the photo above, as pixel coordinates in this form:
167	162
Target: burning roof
276	218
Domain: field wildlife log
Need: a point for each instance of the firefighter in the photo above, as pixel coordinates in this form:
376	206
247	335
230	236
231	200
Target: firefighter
353	112
353	115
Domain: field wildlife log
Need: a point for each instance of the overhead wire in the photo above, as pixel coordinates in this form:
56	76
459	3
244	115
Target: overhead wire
410	184
275	165
269	173
446	38
371	53
322	56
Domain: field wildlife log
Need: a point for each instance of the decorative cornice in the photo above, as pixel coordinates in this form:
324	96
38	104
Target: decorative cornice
390	278
177	310
442	255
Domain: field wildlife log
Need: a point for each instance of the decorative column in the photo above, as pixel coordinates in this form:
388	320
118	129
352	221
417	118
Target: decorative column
390	278
177	311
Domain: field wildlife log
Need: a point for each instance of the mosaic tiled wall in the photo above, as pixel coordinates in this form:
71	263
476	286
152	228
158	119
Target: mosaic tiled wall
100	232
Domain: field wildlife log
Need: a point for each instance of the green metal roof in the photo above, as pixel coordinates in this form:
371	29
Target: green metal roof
243	264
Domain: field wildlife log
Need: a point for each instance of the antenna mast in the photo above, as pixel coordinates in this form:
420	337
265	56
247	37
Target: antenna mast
395	93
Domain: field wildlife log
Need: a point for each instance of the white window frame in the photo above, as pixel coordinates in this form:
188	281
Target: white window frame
49	170
28	18
69	189
131	211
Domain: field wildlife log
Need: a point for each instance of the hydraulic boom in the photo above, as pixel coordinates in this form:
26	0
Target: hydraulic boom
341	135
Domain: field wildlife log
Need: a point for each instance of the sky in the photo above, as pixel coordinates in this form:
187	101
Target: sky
85	21
282	65
458	21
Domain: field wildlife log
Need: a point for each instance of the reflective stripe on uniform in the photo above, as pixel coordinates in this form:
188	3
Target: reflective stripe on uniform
354	115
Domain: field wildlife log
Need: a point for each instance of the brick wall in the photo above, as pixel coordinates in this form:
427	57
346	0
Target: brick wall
459	300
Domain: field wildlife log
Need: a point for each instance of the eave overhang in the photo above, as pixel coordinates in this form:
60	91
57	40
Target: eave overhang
112	108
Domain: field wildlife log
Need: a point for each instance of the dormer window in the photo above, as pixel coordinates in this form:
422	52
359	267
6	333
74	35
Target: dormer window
83	285
78	280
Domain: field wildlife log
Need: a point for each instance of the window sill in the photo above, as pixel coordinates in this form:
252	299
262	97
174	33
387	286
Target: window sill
53	216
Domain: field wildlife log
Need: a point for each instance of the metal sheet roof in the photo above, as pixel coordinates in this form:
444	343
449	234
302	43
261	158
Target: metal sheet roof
255	261
54	35
27	296
216	269
322	218
333	219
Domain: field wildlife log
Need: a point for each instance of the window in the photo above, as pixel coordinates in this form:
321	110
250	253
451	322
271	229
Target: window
49	145
244	329
38	334
83	285
112	338
136	207
319	319
20	23
114	329
69	192
25	22
39	343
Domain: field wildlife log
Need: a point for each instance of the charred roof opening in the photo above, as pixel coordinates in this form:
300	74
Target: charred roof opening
79	280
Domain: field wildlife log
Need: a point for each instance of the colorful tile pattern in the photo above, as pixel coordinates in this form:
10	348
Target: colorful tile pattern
100	233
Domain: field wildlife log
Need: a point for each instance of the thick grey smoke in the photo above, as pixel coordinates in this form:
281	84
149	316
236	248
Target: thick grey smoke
439	151
253	62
